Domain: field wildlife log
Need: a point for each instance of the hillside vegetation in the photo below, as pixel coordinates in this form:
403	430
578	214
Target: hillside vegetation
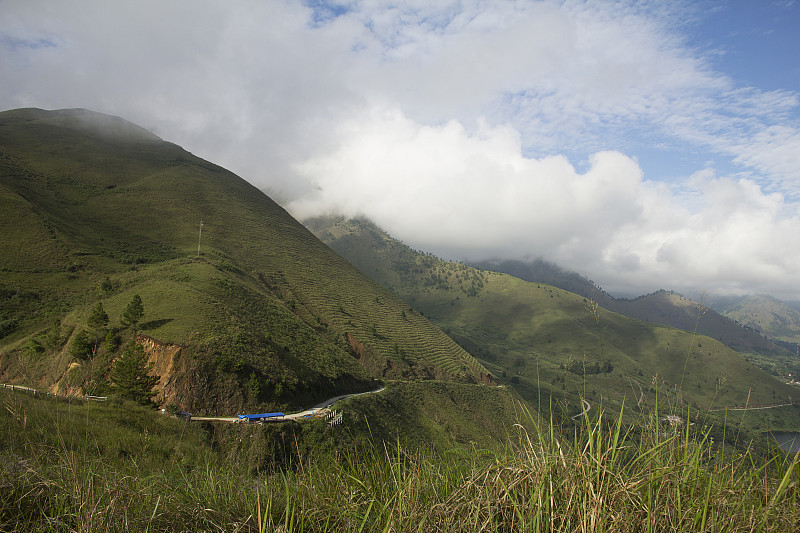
665	308
70	466
553	345
253	313
765	314
107	263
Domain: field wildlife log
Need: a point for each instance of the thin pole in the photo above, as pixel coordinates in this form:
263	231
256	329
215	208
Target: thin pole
199	237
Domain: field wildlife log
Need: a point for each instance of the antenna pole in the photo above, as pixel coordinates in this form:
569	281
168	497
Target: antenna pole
199	237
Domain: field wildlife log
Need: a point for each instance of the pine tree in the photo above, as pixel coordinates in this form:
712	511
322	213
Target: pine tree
81	345
106	286
98	320
254	387
111	342
134	312
52	339
97	323
129	376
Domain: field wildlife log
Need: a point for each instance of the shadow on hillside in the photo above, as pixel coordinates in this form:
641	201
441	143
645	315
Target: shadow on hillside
154	324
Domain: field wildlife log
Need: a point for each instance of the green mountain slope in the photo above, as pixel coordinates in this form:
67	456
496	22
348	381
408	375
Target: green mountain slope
545	341
661	307
94	209
767	315
672	309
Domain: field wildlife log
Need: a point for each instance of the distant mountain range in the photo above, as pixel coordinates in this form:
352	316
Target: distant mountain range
769	316
748	325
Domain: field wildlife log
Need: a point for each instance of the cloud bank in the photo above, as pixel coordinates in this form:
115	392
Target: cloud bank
591	134
475	195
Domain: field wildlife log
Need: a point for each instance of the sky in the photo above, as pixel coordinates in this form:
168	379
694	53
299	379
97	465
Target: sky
643	144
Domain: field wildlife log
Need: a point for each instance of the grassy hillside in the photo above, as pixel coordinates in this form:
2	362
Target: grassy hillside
71	466
95	210
672	309
662	307
767	315
549	343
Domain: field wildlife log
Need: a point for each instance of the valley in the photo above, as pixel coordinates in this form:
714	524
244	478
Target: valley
555	347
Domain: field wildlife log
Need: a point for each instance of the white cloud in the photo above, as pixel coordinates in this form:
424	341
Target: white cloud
475	195
738	233
458	126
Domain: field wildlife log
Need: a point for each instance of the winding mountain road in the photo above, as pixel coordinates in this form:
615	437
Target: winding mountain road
294	416
291	416
753	408
586	408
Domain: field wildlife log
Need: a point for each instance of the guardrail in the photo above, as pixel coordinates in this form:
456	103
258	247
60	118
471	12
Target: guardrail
23	388
31	390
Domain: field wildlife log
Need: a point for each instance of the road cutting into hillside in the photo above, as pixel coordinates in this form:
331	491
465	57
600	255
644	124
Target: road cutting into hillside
586	408
753	408
307	413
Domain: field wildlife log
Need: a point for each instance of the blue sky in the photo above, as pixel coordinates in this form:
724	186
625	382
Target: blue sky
754	39
644	144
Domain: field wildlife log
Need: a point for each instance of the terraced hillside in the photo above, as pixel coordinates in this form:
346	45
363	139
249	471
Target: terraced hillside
546	342
254	311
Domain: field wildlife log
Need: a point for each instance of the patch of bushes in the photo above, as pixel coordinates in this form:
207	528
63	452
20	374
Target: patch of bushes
581	368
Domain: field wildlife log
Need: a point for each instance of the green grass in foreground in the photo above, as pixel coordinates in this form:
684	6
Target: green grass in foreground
106	467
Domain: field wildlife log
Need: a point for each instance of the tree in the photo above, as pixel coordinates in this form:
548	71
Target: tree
52	339
34	346
134	312
105	286
98	320
130	378
254	387
81	345
111	342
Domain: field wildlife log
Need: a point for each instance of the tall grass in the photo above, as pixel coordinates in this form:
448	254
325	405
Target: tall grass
606	477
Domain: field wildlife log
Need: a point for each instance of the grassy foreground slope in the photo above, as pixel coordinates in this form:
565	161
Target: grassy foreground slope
94	209
544	341
76	466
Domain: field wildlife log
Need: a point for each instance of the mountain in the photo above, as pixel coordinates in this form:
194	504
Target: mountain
766	315
541	271
666	308
549	344
243	307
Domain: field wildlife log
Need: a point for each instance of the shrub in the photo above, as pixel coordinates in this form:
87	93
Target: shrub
81	345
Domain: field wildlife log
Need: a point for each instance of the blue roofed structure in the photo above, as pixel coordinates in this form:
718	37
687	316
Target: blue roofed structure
259	417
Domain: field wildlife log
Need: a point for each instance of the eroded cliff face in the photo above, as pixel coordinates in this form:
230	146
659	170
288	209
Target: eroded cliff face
169	363
190	382
190	378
